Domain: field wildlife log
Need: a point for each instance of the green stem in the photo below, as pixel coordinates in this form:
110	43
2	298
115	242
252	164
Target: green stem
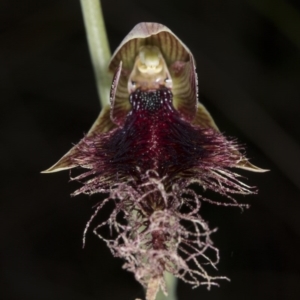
171	282
98	45
100	55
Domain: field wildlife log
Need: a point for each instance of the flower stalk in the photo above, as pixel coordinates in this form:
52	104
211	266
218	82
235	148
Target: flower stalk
171	283
100	55
98	46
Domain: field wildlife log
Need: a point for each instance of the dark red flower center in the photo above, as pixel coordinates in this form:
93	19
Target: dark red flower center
154	136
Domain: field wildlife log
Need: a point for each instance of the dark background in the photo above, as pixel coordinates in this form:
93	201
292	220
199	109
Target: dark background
248	61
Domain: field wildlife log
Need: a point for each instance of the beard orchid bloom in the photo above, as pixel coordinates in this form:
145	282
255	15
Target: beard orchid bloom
145	151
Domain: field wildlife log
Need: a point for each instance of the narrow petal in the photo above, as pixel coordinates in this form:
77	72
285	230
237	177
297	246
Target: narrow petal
246	165
185	88
205	120
102	124
119	96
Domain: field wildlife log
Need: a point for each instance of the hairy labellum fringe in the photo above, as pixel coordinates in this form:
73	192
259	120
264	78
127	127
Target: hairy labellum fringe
146	167
174	239
158	139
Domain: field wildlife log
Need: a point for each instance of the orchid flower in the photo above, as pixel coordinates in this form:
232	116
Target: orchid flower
145	151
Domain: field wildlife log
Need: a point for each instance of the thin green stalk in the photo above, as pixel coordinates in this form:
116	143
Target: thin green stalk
100	55
171	282
98	45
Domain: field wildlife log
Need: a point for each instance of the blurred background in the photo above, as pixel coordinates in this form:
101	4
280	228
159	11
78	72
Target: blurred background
248	62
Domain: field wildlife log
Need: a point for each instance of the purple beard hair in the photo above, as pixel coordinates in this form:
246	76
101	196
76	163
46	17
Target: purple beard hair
156	138
146	167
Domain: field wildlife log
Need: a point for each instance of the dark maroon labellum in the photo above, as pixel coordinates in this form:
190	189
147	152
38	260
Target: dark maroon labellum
154	137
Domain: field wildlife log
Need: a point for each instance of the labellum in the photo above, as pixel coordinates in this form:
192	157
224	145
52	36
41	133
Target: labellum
145	151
